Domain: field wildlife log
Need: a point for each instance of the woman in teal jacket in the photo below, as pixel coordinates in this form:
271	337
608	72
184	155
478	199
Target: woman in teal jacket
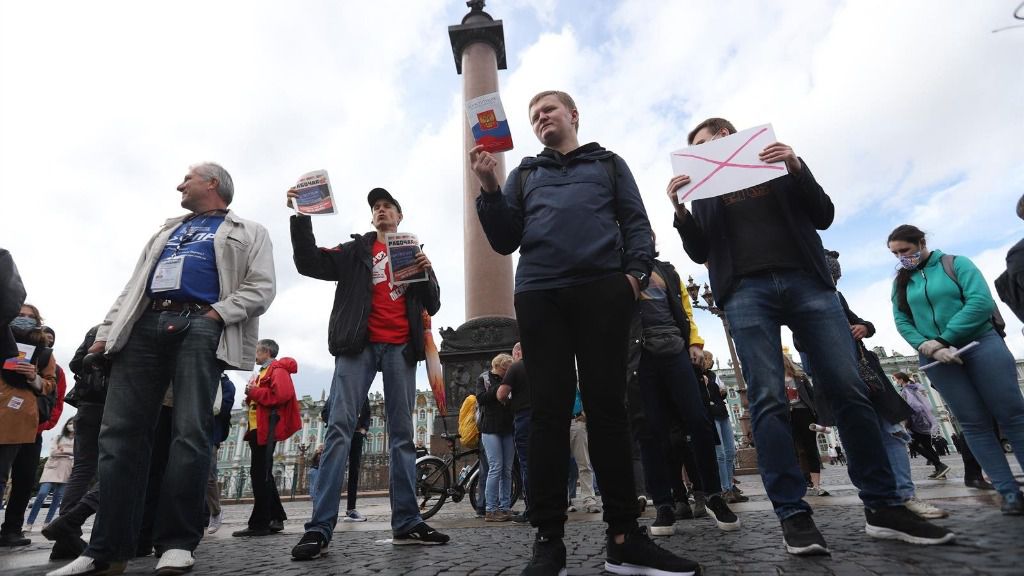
938	313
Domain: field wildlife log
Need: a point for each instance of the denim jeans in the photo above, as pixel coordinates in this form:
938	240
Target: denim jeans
44	490
352	378
725	452
139	378
756	310
982	389
500	452
522	440
895	437
312	476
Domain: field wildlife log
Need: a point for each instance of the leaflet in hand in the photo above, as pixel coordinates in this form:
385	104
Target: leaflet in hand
402	251
25	352
488	123
315	197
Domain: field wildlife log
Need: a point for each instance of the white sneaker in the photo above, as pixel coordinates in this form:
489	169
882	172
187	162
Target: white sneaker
27	529
175	562
87	565
214	524
353	516
924	509
590	506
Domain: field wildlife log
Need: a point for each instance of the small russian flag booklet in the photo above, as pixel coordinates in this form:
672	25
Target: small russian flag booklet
488	122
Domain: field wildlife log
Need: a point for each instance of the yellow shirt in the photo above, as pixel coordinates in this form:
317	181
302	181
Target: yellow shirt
252	405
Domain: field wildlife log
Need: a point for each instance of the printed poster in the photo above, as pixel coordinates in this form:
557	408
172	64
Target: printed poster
726	165
402	251
488	123
315	197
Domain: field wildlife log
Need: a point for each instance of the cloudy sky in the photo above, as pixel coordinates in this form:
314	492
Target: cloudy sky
905	112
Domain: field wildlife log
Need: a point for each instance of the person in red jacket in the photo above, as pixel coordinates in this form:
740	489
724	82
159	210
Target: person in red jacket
273	416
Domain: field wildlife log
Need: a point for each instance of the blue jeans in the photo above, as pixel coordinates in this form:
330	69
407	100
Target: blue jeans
352	378
139	377
522	439
313	472
982	389
500	452
757	309
44	491
725	452
895	438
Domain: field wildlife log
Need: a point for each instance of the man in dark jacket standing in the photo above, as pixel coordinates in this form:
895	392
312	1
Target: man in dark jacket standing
767	268
376	325
585	252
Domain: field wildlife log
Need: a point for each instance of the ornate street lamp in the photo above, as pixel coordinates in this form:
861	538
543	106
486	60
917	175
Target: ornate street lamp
746	457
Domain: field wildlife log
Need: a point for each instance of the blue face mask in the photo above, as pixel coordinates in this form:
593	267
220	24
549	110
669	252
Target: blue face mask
23	323
910	261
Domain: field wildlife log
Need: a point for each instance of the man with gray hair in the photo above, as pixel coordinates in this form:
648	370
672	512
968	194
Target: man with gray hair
190	310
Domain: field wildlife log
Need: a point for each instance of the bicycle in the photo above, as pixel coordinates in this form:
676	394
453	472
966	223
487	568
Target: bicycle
436	481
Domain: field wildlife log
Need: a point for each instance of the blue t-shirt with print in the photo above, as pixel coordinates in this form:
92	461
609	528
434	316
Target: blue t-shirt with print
193	242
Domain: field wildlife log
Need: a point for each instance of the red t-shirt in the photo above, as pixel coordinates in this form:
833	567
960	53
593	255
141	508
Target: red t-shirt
388	324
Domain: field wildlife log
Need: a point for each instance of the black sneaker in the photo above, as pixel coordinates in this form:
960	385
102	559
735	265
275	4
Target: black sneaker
521	518
14	539
940	472
899	523
312	545
548	558
723	516
276	526
683	510
979	483
665	523
1013	504
420	534
251	532
802	536
699	505
638	554
68	548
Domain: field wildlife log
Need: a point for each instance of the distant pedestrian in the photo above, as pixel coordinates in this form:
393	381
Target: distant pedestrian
355	463
921	424
56	473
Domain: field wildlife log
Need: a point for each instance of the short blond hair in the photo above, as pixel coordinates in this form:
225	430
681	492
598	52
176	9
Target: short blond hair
501	361
562	97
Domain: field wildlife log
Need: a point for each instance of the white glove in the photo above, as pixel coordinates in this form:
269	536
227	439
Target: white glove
947	356
929	347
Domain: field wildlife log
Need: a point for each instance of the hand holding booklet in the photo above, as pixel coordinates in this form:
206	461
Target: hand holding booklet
402	251
314	194
488	123
25	352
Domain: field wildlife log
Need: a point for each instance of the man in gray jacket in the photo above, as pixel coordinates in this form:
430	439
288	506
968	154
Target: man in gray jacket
190	310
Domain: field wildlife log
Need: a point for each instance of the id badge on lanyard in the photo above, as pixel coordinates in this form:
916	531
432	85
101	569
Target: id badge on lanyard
167	275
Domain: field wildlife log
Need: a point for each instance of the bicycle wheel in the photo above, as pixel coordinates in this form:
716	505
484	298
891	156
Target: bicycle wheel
474	490
432	485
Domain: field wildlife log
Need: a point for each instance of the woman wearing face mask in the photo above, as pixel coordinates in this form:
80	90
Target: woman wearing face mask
939	311
55	474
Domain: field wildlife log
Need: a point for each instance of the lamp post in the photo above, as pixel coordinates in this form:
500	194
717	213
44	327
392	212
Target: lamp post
746	455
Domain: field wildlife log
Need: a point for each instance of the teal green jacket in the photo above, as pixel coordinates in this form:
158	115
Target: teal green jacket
938	311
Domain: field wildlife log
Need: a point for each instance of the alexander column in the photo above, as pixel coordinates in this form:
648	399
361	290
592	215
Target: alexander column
478	45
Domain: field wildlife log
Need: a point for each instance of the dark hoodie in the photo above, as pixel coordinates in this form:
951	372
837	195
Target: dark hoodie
572	225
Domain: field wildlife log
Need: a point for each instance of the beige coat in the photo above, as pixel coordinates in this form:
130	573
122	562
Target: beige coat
61	460
245	268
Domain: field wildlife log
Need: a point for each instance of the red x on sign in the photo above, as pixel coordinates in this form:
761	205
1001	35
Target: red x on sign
728	163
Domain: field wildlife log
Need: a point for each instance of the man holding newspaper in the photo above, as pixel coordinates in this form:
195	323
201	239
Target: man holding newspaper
385	283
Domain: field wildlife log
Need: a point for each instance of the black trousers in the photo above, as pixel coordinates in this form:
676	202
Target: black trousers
805	442
266	504
23	479
87	452
923	444
355	458
582	327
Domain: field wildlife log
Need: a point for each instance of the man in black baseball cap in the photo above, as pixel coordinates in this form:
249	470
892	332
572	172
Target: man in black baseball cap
382	194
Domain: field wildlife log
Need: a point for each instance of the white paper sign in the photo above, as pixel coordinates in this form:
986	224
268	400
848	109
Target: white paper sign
726	165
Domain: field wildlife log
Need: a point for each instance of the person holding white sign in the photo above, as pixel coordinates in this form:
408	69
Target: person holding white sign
767	268
376	325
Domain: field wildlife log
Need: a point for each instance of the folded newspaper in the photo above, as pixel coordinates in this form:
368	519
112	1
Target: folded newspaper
488	123
402	251
315	197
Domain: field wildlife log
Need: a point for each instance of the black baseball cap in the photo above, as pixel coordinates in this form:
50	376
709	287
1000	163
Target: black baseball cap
382	194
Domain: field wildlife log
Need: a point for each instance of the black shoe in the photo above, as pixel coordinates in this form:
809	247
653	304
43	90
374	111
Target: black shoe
548	558
143	550
521	518
420	534
699	505
67	548
802	536
69	524
733	497
14	539
252	532
312	545
683	510
638	554
1013	505
723	516
665	522
979	483
940	472
641	501
276	525
899	523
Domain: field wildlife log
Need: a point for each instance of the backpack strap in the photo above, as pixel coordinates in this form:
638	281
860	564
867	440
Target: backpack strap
998	323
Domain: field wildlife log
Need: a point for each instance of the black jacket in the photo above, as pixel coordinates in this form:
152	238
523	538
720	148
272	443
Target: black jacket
715	399
495	417
350	265
1010	284
806	208
90	386
516	378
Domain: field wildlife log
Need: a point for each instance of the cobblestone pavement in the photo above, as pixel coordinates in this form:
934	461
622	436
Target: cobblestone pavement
988	542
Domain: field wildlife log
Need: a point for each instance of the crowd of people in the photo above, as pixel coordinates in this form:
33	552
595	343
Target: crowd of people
610	364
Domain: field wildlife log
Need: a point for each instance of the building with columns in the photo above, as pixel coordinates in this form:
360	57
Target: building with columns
292	457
